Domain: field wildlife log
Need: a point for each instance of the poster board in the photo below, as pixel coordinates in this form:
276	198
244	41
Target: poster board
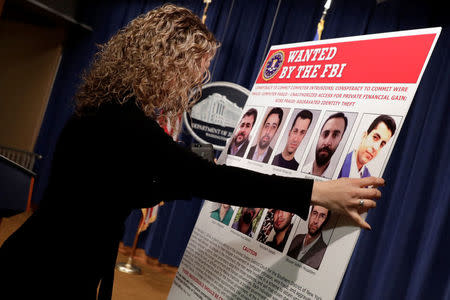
347	83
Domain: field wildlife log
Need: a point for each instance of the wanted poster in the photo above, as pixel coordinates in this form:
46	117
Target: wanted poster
321	110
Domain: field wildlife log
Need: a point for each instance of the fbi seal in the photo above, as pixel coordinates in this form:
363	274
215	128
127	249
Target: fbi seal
273	65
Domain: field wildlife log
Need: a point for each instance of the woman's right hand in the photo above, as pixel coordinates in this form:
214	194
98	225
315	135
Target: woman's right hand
345	196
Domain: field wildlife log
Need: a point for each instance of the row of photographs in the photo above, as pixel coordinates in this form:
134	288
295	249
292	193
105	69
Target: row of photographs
282	230
312	142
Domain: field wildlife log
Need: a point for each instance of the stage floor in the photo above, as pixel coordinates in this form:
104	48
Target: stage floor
154	282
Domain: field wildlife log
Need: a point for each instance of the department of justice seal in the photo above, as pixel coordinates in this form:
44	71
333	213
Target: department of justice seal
214	117
273	65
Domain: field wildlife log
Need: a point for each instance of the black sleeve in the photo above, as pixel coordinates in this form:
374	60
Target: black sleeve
179	173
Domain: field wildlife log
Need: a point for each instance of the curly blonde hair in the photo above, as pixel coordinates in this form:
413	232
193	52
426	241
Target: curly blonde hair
159	59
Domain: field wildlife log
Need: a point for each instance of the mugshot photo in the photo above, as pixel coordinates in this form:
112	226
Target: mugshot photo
370	146
247	220
244	131
311	238
295	138
276	228
329	143
268	133
221	212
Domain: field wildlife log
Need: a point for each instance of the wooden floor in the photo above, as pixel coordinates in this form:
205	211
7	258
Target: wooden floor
154	282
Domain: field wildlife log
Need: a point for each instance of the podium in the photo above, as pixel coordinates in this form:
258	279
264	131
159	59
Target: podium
16	186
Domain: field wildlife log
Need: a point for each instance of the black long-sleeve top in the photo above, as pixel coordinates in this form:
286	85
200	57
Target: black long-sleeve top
106	163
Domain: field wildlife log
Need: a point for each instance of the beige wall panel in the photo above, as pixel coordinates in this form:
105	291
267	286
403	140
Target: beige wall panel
29	59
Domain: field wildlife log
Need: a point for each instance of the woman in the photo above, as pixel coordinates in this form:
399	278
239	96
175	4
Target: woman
113	157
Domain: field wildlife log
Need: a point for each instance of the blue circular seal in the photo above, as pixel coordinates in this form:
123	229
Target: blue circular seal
273	65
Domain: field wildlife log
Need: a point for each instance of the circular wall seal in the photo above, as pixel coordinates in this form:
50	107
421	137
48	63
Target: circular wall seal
213	118
273	65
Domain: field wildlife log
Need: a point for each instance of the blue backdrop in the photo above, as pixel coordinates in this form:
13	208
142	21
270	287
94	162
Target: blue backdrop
405	256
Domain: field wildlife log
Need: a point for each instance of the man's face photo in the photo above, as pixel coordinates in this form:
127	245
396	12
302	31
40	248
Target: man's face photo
248	214
268	131
296	134
281	220
245	127
329	140
317	217
373	142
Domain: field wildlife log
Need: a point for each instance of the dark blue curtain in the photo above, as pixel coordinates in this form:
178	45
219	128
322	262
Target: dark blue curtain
405	256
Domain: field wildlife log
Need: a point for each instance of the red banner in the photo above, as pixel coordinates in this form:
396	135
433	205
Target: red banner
365	61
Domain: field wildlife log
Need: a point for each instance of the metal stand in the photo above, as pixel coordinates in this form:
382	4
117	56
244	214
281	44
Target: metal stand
128	267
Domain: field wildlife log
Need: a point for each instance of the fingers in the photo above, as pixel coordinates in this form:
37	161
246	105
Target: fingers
362	210
371	181
368	193
367	205
349	196
359	220
361	206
